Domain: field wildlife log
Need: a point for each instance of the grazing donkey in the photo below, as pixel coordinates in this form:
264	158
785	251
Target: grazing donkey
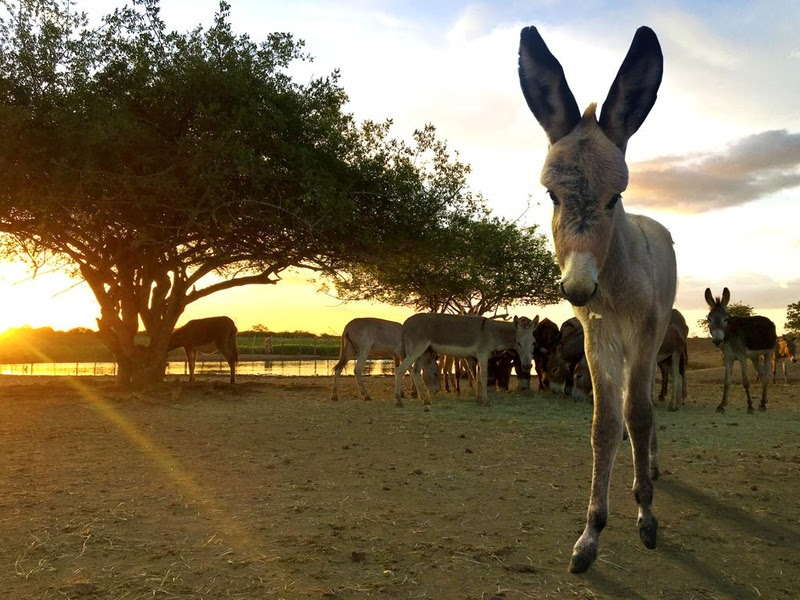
618	270
786	349
463	336
673	357
207	335
582	382
546	337
741	338
366	336
568	353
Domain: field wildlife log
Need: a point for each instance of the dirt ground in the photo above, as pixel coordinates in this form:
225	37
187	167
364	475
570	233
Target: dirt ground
270	490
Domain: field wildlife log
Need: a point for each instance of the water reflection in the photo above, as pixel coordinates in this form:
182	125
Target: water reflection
301	368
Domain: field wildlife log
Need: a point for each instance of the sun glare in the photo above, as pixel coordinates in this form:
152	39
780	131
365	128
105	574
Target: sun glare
49	300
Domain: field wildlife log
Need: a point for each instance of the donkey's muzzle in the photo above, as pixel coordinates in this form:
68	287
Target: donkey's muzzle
579	278
577	297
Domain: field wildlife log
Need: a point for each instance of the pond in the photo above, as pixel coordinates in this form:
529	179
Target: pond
302	368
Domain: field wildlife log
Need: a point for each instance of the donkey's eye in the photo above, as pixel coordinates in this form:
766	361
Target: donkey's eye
553	197
613	202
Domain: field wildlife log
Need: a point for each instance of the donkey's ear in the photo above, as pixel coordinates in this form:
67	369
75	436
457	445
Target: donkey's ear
710	298
726	297
634	90
535	322
545	88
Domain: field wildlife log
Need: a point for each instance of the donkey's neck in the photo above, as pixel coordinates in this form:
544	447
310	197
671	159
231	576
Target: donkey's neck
627	262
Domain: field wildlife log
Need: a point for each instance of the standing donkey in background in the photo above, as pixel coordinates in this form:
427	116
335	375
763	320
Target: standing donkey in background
741	338
618	270
367	336
785	349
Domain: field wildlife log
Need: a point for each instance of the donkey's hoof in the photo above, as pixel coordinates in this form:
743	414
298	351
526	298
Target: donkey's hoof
398	402
672	408
581	561
720	409
654	473
367	398
750	410
334	398
762	408
649	534
426	407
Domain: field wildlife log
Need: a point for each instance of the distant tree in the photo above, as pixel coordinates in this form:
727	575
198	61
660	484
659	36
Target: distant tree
740	309
260	328
475	266
163	167
793	318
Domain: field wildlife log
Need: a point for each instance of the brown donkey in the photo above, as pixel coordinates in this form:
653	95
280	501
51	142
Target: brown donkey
741	338
786	349
212	334
618	270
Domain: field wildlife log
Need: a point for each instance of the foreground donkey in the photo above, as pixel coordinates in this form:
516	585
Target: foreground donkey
741	338
463	336
618	270
207	335
367	336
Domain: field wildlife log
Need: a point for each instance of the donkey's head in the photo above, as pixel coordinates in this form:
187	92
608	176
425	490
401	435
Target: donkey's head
585	171
787	347
718	316
525	330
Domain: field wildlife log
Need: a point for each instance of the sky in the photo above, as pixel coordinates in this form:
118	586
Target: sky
717	160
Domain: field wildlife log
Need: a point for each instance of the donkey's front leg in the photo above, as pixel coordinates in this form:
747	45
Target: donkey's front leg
399	372
726	389
606	435
641	428
482	392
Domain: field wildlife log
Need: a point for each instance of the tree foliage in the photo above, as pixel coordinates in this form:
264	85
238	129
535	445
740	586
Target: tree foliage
162	167
793	318
475	266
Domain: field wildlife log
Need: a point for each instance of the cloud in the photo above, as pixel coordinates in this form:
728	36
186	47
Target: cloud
747	170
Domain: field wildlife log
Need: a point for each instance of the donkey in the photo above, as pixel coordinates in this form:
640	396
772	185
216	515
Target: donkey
672	358
786	349
366	336
582	382
463	336
617	270
546	339
741	338
207	335
568	353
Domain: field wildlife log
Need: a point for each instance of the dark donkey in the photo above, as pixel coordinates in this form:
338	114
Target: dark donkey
207	335
617	270
741	338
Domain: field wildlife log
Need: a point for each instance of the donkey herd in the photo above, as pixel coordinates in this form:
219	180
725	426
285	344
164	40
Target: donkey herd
619	272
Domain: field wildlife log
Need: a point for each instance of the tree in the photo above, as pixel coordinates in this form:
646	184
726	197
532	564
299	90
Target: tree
163	167
475	266
793	318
